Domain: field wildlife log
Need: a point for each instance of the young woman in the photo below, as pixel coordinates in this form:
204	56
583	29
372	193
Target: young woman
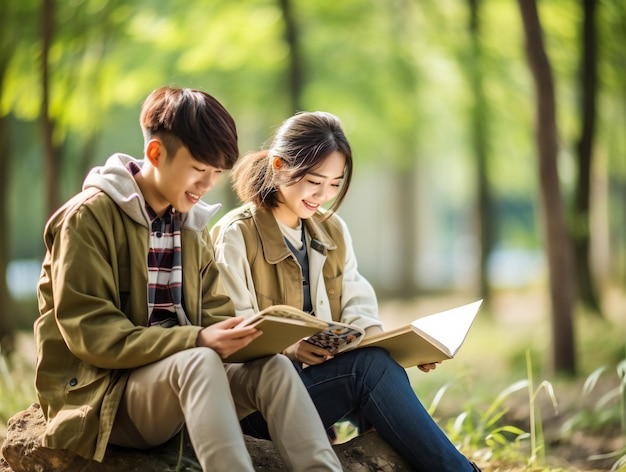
281	247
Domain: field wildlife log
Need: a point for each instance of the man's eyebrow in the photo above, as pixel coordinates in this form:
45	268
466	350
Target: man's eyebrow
316	174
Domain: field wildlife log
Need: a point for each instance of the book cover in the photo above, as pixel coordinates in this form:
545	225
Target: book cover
282	326
429	339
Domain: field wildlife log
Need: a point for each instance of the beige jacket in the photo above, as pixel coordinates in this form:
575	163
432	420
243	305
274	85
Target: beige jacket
259	270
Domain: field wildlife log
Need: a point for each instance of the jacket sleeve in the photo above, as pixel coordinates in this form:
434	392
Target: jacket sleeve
216	304
84	276
231	258
359	305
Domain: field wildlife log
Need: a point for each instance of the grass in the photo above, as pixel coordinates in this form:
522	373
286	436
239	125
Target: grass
17	390
498	399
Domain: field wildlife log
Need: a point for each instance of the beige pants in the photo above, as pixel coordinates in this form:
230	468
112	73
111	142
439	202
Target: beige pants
194	387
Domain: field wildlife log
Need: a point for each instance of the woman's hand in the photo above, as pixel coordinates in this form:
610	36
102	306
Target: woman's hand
307	353
225	339
427	367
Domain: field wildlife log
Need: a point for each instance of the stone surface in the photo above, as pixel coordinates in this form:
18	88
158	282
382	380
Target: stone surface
22	452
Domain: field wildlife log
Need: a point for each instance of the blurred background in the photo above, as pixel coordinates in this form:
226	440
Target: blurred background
488	135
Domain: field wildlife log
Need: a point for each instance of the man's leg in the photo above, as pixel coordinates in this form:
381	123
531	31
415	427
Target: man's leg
273	386
190	388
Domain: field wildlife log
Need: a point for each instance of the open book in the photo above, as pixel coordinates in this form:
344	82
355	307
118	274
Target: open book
284	325
428	339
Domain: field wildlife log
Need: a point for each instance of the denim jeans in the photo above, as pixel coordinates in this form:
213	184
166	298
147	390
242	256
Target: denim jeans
368	388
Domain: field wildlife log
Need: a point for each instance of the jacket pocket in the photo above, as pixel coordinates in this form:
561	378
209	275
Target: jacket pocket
86	384
334	286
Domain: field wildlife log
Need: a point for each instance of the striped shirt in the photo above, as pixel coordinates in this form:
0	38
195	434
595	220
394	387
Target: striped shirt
164	267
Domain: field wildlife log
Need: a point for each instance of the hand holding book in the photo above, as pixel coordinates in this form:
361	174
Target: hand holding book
429	339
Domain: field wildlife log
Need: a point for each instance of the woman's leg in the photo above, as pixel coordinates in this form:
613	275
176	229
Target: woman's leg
255	425
367	384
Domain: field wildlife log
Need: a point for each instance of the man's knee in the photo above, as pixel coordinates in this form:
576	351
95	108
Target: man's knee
273	369
197	359
278	362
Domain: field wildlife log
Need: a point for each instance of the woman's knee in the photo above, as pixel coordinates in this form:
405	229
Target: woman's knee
374	361
369	355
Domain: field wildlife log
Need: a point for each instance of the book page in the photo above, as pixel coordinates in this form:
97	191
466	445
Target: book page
407	347
449	328
285	312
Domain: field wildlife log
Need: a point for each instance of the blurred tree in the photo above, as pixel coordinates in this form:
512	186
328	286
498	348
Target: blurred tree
617	16
392	71
613	138
405	82
13	15
582	200
479	122
297	76
51	151
558	244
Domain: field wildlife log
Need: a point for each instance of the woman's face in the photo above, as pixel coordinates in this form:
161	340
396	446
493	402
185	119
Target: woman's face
320	185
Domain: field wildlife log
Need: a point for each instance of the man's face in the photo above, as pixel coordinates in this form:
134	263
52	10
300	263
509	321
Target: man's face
181	181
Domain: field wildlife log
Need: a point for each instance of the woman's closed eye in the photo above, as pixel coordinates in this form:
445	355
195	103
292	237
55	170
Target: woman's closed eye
320	183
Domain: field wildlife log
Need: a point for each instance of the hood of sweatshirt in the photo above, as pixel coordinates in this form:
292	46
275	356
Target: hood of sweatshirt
114	179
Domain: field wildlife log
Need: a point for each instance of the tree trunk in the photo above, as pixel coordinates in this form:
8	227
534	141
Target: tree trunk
560	256
582	202
405	182
7	322
405	238
51	154
479	133
296	65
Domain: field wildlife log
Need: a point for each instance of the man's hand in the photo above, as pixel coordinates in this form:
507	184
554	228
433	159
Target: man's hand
307	353
225	339
427	367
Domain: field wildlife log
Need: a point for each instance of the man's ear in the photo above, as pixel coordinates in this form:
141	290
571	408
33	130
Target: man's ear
155	151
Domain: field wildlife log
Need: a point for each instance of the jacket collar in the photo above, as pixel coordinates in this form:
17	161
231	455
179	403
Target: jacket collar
273	243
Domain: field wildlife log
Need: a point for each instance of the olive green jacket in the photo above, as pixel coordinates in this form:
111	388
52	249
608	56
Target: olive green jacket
93	294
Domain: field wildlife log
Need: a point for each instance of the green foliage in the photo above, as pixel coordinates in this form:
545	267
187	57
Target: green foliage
597	413
603	413
17	390
395	72
537	446
481	429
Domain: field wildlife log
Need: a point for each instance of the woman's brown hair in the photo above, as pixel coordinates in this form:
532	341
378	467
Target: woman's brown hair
302	142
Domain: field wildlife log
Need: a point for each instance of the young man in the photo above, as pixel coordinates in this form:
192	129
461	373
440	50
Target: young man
134	323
